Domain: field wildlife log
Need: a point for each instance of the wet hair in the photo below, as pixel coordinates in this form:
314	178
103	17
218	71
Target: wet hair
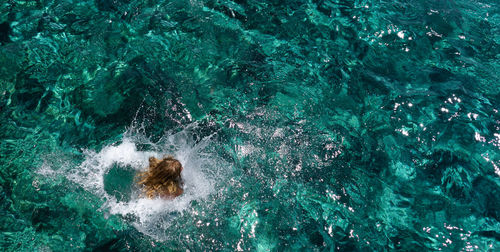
162	179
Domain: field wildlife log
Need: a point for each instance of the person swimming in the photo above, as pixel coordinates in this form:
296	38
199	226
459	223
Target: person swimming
162	179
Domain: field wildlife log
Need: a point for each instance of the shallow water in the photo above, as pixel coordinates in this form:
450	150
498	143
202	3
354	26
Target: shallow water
305	125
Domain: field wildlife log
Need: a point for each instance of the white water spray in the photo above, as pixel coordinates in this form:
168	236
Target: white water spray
150	216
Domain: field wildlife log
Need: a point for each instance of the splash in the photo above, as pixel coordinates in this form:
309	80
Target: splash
104	172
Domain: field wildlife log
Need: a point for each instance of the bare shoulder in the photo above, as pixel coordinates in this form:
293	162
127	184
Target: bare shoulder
179	191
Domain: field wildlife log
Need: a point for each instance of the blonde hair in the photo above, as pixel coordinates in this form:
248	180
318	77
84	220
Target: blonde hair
162	179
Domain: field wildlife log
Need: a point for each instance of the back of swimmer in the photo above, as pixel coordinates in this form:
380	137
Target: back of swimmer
162	179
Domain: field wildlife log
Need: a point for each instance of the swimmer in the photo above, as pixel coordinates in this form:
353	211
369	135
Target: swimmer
162	179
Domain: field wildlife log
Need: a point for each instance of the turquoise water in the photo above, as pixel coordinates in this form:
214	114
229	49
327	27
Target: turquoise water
301	125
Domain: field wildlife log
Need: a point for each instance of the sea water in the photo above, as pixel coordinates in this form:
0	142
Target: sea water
301	125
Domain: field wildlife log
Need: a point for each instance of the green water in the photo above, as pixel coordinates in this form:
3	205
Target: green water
302	125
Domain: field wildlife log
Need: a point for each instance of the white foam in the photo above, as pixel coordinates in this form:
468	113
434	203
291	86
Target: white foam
150	216
90	174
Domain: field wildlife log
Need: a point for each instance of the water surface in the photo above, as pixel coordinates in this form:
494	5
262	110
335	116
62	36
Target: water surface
305	125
